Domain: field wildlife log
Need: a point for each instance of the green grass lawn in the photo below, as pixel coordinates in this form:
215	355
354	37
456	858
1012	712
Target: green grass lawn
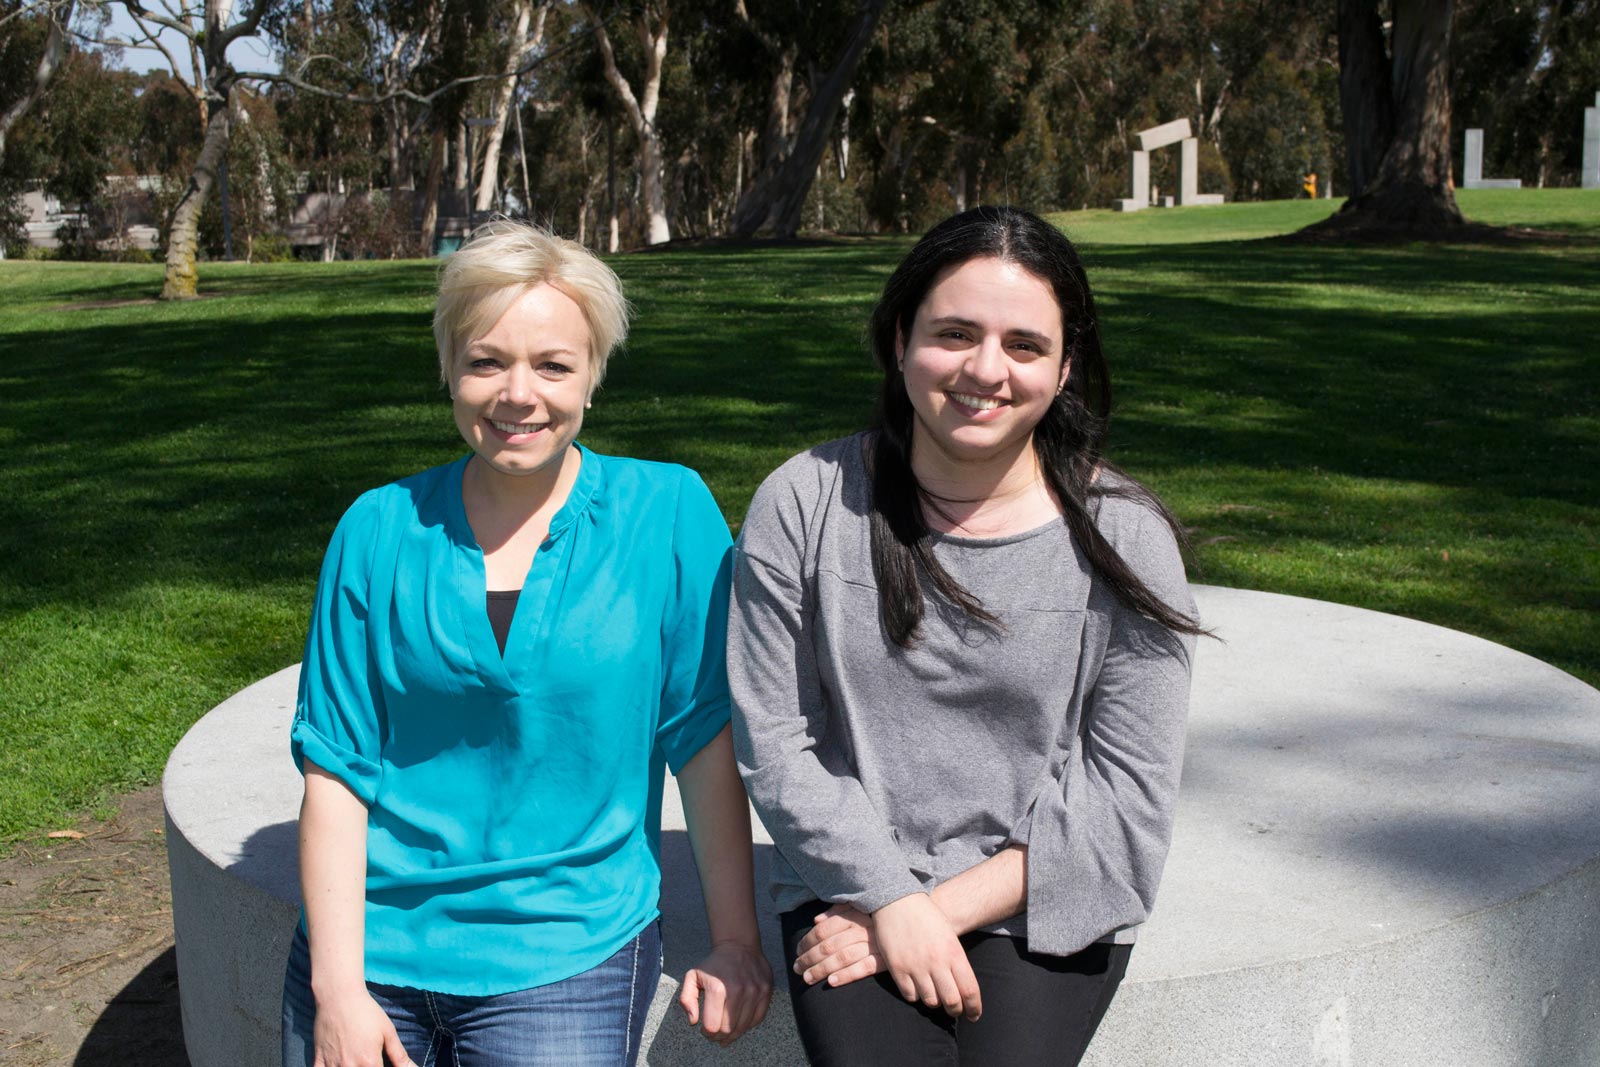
1412	429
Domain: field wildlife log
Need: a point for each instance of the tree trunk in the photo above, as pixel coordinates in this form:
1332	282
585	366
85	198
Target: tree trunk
430	194
55	47
521	43
775	145
458	173
391	131
641	111
522	161
1397	123
1413	186
183	277
1364	91
773	204
613	238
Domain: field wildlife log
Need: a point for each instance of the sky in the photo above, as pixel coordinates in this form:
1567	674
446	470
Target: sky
246	54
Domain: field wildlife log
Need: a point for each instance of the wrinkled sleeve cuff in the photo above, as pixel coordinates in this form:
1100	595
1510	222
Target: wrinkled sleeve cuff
697	730
359	775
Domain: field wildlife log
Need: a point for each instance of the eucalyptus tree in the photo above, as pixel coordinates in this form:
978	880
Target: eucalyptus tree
775	199
1395	92
649	21
207	27
524	35
22	53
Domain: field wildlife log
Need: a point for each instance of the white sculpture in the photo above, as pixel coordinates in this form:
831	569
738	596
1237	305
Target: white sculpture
1169	133
1591	145
1472	167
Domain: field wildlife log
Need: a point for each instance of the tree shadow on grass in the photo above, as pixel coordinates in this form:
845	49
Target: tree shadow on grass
227	446
218	443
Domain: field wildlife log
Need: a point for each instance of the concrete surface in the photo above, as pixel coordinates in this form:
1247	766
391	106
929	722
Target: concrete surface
1168	133
1387	853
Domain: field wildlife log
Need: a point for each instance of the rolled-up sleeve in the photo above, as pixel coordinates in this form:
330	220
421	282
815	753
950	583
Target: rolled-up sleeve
1098	833
694	690
808	796
339	708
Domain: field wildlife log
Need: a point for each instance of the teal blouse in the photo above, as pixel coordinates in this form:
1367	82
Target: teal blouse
514	803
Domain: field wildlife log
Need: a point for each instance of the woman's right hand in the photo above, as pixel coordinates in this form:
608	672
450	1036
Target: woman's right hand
352	1031
924	956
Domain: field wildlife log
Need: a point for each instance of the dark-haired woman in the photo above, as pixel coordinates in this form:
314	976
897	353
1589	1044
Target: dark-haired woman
960	654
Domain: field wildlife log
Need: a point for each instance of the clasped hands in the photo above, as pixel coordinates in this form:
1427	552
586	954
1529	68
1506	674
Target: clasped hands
911	939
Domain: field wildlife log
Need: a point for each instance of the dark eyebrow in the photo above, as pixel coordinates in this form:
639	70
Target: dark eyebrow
1042	340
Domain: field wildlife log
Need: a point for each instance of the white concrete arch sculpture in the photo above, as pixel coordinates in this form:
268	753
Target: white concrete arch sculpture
1170	133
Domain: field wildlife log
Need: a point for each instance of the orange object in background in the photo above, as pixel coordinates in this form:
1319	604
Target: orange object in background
1309	184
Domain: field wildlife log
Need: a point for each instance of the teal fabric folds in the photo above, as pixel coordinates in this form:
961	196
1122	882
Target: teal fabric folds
514	801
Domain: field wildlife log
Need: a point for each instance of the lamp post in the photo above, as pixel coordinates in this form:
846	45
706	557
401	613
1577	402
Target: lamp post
472	192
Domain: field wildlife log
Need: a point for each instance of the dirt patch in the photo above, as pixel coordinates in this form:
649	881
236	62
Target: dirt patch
88	975
1342	229
95	305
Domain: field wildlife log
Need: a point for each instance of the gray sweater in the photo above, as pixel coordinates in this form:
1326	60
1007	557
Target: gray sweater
883	771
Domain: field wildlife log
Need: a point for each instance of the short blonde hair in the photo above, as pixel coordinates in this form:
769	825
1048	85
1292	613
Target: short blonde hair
504	259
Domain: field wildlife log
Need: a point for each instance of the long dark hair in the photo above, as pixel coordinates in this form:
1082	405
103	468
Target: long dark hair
1069	439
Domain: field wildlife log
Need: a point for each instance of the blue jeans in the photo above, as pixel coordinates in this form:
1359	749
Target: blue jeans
593	1019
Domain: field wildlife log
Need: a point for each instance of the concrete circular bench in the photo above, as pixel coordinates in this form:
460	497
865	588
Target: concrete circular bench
1387	852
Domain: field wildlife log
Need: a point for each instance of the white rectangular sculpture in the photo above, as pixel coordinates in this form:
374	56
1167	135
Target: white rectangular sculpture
1164	135
1472	167
1591	145
1139	193
1177	133
1188	170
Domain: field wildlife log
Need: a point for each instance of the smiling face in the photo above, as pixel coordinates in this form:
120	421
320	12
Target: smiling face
983	361
519	390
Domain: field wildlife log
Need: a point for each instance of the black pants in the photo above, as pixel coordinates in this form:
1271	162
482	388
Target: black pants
1037	1009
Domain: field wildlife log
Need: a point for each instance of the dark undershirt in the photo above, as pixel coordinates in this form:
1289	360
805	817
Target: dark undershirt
502	604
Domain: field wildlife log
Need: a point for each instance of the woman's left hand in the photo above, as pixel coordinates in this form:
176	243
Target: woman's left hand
736	984
839	949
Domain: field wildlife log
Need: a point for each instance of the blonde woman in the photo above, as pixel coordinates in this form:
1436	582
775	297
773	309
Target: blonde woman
504	654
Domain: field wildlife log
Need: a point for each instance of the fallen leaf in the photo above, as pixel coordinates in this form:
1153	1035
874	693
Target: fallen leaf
72	835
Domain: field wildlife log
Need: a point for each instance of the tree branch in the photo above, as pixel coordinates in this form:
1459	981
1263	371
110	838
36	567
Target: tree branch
140	13
27	9
425	99
55	47
153	42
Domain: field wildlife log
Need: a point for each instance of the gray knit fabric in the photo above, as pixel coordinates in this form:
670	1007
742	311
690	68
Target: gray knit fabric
882	771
